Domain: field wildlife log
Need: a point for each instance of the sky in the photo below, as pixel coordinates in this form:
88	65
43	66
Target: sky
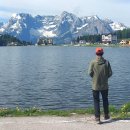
116	10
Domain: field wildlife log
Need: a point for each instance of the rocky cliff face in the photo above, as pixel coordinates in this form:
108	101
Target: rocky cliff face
1	24
62	28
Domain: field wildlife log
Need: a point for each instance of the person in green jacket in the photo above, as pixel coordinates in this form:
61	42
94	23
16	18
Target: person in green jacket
100	70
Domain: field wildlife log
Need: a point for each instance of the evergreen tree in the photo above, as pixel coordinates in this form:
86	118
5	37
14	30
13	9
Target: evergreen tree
124	34
90	38
6	40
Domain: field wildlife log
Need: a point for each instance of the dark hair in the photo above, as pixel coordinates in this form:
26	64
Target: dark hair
99	53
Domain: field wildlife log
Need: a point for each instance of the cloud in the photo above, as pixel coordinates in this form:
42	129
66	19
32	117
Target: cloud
57	6
103	8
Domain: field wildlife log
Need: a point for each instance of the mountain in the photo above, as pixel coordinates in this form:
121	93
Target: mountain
115	25
1	24
61	28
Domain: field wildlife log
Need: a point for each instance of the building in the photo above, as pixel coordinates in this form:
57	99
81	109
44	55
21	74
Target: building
125	42
45	41
82	42
110	38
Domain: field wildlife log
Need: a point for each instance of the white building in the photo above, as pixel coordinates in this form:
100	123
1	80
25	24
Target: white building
109	38
82	42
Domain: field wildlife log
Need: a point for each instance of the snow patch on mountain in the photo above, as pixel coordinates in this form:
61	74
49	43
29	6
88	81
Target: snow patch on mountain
95	17
16	26
16	16
117	26
49	34
1	27
79	28
64	27
1	30
49	27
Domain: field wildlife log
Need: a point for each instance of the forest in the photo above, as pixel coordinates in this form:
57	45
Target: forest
124	34
8	40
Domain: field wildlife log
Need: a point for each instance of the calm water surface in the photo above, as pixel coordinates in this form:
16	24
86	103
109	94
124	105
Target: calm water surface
55	77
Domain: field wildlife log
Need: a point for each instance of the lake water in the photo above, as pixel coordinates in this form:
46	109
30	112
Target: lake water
55	77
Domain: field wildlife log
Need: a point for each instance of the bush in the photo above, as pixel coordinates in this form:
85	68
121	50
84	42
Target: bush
125	108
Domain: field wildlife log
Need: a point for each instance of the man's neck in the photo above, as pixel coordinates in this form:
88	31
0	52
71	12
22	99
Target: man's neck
99	57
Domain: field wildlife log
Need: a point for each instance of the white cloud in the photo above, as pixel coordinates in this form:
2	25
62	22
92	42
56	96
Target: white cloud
117	9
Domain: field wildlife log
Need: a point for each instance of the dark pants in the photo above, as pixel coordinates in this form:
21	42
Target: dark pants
96	97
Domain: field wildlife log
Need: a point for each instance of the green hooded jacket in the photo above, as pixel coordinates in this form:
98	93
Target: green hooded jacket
100	70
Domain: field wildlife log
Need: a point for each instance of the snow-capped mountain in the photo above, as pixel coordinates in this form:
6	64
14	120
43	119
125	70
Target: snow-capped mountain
61	28
115	25
1	24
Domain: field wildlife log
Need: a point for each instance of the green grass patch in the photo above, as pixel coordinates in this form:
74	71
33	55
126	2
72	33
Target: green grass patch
4	112
121	113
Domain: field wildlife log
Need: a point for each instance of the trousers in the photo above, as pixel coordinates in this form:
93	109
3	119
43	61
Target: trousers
96	98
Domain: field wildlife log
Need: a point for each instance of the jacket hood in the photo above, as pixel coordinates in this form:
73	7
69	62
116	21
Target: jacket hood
100	60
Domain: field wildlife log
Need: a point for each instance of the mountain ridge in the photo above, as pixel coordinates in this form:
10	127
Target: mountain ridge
62	28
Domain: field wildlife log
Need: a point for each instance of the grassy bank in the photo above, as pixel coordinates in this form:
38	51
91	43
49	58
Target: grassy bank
4	112
121	113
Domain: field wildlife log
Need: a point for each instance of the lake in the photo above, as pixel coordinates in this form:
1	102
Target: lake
55	77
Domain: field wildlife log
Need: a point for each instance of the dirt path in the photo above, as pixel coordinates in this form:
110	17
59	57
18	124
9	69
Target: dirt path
60	123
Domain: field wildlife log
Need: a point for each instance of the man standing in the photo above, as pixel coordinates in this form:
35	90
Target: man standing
100	71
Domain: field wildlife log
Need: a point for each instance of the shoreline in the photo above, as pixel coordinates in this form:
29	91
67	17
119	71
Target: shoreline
116	113
76	45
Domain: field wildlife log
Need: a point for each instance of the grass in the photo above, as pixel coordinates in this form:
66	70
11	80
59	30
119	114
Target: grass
4	112
121	113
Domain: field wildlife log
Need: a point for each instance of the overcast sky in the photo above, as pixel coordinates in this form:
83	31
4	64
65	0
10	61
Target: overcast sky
116	10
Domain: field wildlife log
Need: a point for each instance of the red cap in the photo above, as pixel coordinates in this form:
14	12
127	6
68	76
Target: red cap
99	50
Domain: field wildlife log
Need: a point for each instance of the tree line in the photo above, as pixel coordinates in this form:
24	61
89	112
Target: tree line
8	40
122	34
90	38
